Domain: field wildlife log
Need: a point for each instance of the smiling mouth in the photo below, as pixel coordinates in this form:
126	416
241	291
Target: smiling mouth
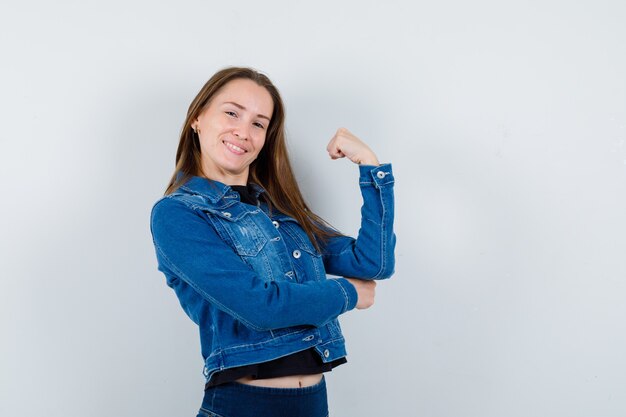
234	148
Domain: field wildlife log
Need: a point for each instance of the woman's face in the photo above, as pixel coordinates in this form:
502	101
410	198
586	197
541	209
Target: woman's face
232	130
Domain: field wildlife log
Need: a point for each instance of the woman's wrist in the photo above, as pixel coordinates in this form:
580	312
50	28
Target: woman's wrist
369	160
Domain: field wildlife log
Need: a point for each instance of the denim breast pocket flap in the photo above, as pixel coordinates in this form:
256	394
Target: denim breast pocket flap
240	225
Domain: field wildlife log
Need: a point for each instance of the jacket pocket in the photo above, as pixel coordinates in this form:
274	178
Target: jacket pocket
240	229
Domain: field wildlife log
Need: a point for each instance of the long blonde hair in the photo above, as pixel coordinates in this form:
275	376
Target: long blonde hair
271	170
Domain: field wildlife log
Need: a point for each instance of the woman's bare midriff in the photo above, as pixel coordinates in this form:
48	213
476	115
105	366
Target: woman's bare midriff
291	381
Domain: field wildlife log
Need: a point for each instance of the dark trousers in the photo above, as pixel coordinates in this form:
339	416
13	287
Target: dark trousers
241	400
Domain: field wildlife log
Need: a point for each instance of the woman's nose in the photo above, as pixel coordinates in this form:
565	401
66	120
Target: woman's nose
241	132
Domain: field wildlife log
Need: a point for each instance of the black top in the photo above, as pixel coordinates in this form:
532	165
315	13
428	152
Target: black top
246	195
306	362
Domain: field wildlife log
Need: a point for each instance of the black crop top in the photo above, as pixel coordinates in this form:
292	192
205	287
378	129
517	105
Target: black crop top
306	362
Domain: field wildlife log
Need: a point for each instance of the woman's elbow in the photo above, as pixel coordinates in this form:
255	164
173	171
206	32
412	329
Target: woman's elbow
387	260
387	269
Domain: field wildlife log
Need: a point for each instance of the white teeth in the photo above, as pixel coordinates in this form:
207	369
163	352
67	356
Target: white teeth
236	148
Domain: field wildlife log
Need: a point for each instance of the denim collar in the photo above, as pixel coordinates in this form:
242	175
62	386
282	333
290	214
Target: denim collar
212	189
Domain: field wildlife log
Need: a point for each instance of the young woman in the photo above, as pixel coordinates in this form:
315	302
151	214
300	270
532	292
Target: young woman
248	259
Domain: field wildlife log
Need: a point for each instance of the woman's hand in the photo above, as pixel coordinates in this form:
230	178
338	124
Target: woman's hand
366	290
345	144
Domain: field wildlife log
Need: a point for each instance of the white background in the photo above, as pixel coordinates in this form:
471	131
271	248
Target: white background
505	122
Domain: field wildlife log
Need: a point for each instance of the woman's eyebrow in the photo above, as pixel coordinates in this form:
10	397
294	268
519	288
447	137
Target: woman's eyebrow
243	108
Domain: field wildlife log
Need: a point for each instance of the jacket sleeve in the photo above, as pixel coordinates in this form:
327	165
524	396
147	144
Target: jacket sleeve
371	254
189	249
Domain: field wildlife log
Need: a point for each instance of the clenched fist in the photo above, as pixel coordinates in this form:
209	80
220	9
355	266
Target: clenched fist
345	144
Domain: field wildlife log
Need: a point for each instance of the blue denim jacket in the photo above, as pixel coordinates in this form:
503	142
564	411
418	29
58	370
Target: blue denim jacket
253	281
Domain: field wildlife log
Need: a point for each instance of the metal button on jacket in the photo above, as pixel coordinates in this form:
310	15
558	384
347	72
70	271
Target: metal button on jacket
275	223
296	253
380	174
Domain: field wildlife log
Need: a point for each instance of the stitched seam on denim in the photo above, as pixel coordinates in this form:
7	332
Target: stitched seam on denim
213	208
232	348
332	341
184	199
216	211
305	246
220	351
209	413
345	296
229	349
383	242
381	182
213	399
213	198
319	273
183	276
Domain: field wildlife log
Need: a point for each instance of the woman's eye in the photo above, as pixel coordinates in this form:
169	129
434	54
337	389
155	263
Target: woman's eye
259	125
231	113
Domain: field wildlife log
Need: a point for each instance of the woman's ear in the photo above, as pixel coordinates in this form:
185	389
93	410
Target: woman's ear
194	125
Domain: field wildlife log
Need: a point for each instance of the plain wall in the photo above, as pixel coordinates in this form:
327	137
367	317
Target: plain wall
505	122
